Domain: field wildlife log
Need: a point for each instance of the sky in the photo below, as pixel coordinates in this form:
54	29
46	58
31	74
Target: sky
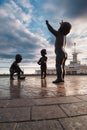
23	29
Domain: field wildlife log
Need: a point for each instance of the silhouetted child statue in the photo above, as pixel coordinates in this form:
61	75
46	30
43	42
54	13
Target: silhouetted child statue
43	63
60	43
16	69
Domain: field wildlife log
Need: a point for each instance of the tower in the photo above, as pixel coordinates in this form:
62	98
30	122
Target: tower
75	53
75	61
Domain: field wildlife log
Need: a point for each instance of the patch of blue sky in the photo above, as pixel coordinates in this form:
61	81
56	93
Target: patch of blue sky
3	1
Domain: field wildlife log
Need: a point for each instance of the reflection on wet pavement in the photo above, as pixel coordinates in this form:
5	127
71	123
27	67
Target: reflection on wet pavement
34	87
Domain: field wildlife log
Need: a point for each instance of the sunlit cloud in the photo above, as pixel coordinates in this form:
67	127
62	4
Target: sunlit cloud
23	29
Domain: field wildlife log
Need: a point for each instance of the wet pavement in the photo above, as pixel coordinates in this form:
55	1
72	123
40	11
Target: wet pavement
35	104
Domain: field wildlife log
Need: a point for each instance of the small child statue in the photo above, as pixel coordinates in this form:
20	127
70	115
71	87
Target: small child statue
16	69
43	63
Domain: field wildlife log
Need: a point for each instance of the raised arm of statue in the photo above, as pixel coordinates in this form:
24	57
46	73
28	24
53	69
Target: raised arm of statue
51	29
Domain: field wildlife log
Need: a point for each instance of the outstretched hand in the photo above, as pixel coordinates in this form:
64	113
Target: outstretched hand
22	72
47	22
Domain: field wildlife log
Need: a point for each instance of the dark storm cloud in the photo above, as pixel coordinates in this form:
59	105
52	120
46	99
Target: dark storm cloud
6	56
76	8
70	8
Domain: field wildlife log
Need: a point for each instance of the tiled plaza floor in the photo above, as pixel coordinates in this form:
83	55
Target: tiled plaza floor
36	104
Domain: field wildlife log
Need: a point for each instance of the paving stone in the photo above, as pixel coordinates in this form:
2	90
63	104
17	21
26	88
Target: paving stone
75	108
47	112
58	100
84	97
45	101
20	102
42	93
68	99
14	114
75	123
4	103
39	125
8	126
45	93
17	103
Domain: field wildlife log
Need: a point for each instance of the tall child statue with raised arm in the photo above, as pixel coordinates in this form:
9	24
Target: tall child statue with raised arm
60	43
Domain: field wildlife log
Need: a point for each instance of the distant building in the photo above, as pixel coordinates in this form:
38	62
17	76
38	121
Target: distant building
75	67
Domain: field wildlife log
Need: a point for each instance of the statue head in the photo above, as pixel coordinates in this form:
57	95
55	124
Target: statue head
43	52
18	58
65	27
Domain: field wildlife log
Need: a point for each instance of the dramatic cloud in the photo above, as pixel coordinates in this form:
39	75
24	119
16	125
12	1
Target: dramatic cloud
76	8
23	29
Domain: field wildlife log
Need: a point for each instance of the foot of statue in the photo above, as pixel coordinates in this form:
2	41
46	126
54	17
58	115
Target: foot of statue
58	81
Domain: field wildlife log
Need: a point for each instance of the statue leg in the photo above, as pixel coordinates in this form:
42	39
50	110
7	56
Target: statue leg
58	70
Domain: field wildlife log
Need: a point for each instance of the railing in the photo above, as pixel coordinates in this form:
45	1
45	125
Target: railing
26	70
